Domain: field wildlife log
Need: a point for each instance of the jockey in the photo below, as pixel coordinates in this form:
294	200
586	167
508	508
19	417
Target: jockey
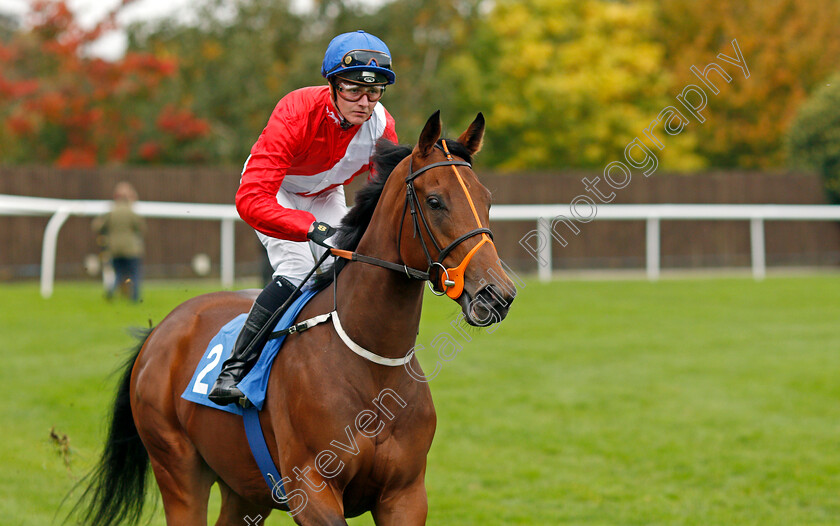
317	140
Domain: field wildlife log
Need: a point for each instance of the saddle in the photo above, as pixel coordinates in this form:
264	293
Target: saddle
255	383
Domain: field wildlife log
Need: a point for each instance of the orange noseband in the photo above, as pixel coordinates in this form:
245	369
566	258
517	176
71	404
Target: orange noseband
452	280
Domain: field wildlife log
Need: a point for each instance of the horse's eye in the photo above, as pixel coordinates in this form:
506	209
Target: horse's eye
434	202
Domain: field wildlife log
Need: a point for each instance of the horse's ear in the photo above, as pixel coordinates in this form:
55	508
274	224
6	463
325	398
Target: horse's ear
429	135
474	136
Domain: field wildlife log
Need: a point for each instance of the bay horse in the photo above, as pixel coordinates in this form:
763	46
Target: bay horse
351	435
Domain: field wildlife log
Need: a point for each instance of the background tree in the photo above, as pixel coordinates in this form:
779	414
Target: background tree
234	64
789	46
58	104
562	83
242	57
814	138
566	83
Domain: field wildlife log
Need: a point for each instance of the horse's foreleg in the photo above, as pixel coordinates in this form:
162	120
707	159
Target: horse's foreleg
403	507
237	511
322	508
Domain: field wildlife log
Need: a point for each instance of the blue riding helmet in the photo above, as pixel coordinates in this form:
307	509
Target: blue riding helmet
358	57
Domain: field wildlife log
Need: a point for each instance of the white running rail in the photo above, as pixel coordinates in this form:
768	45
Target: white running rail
546	217
60	210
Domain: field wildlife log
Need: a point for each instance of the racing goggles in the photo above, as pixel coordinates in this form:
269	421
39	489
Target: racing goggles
363	57
354	92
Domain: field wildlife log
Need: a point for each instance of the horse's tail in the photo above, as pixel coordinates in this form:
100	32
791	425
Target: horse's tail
116	487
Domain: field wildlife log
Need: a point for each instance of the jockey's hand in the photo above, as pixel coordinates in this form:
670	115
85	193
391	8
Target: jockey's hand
319	232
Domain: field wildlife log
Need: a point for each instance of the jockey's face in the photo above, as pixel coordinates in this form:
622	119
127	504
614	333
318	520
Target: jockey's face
358	111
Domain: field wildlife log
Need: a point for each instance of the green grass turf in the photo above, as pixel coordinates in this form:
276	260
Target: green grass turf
697	401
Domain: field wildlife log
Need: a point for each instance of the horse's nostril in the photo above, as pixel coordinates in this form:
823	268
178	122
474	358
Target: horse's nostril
494	295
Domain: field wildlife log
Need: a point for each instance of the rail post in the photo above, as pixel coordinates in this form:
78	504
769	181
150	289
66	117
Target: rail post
652	253
759	266
227	255
48	250
544	261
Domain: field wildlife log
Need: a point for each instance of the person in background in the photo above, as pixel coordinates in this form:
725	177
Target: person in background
292	187
122	232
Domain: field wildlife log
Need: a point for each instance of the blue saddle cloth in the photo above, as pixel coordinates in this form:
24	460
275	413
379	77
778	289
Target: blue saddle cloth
255	383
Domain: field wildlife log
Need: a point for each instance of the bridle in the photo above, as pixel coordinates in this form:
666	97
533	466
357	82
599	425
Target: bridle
449	281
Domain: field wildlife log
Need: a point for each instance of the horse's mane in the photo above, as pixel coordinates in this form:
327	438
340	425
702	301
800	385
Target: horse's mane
353	226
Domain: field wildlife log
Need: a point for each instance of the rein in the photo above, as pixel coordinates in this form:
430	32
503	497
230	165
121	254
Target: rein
450	280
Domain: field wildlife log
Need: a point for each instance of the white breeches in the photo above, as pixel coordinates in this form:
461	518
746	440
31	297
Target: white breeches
294	259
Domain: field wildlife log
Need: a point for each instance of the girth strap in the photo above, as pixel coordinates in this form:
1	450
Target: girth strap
259	449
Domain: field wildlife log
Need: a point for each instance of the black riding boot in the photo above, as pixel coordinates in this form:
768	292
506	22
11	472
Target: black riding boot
246	350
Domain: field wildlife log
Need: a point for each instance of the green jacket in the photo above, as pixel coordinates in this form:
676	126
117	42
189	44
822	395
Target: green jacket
123	230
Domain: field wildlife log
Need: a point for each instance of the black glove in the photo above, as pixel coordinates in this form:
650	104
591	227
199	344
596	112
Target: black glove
320	233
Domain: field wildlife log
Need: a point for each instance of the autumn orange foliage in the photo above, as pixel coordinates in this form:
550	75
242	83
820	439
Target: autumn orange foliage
791	48
60	104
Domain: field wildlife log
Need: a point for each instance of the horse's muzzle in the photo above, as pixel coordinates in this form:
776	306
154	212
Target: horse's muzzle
490	305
